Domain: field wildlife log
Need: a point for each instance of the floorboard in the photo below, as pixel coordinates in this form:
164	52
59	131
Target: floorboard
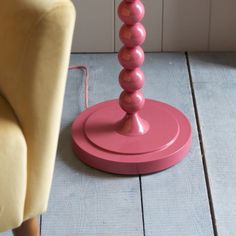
214	77
8	233
84	201
175	200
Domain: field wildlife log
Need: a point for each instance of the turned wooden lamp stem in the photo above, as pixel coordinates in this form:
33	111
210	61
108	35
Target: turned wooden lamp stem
131	57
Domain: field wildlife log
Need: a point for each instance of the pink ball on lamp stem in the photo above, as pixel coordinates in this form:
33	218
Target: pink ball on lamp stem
131	58
131	80
131	12
132	102
132	36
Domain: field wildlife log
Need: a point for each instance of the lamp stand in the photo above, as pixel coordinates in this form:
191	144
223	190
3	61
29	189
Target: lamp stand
132	135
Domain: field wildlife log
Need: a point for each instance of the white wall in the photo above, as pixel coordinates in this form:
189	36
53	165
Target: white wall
172	25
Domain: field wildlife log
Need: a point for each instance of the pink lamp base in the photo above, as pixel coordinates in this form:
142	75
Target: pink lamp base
97	142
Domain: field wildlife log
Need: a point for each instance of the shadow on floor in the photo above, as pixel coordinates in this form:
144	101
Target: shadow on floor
66	154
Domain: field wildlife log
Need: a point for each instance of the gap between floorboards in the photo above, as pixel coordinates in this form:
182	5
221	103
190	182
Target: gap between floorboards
204	163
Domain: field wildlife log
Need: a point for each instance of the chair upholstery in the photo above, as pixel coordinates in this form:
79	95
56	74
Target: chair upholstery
35	42
13	166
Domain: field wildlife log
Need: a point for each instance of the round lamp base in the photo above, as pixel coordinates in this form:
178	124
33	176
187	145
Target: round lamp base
97	142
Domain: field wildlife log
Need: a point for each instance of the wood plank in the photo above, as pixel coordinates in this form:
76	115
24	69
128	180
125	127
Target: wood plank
8	233
223	30
152	22
175	200
84	201
186	25
215	88
94	29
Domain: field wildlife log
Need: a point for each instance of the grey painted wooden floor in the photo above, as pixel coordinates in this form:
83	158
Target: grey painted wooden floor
195	197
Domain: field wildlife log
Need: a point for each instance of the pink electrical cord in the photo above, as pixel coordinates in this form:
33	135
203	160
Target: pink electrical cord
86	72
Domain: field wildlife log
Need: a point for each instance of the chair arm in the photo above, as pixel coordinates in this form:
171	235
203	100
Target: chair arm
35	48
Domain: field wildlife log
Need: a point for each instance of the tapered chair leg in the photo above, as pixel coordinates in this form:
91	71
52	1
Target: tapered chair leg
28	228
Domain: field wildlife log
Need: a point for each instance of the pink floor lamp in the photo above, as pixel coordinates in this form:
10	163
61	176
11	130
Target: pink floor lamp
131	135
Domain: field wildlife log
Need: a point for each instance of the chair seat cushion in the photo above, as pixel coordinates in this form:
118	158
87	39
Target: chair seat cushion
13	168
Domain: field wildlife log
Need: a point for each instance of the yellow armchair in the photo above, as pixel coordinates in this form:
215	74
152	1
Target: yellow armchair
35	42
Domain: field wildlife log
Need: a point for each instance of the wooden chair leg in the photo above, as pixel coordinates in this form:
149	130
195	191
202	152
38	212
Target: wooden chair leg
28	228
